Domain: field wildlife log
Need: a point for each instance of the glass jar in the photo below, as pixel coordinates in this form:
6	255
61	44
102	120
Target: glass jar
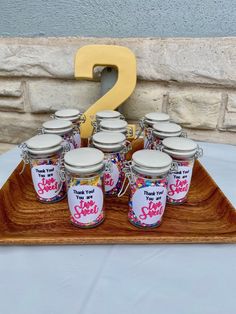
148	121
45	153
147	174
162	130
74	116
64	128
184	152
113	145
104	115
84	168
114	125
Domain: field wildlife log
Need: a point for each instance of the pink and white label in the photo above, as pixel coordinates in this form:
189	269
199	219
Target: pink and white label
46	180
85	203
111	177
149	203
77	140
179	183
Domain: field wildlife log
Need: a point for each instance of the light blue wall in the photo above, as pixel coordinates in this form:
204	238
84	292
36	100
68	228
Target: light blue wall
118	18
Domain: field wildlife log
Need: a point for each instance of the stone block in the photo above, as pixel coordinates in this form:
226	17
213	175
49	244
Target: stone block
195	108
18	127
147	97
52	95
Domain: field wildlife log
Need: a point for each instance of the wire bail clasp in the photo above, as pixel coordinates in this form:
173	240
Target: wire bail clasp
127	169
24	155
199	152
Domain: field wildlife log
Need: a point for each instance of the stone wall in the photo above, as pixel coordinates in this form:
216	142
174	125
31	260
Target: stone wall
194	80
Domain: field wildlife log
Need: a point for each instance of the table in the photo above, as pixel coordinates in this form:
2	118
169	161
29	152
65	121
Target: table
178	279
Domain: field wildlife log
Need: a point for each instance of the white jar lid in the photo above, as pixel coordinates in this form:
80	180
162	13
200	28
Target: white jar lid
113	125
154	117
43	144
108	114
84	160
67	114
109	141
151	162
179	147
57	126
166	129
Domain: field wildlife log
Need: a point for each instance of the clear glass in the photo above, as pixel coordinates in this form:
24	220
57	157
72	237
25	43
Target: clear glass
147	200
76	134
85	195
114	176
45	171
68	138
179	181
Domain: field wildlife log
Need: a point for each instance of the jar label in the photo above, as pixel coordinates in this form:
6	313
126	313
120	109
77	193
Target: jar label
46	180
148	204
85	203
179	183
77	140
111	177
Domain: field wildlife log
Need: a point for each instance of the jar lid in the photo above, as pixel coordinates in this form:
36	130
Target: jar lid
67	114
153	117
43	144
151	162
57	126
108	114
113	125
179	147
166	129
109	141
84	160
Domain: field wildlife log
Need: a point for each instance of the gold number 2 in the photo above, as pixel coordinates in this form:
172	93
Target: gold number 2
119	57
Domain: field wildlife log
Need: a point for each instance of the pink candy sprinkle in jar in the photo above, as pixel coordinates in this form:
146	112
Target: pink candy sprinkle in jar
162	130
184	152
44	153
114	146
76	117
148	121
147	174
63	128
84	168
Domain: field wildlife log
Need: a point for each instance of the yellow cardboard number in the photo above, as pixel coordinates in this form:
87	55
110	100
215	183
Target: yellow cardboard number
119	57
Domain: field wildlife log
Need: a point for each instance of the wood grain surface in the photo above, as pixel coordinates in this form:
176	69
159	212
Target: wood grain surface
207	217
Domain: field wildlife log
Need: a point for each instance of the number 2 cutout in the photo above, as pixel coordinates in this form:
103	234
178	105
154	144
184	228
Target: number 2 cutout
123	59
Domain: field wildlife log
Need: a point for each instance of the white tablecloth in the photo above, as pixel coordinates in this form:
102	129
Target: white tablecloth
169	279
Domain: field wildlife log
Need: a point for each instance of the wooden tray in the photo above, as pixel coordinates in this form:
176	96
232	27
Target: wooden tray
207	217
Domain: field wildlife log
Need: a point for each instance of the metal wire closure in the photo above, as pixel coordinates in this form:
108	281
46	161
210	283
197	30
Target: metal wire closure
24	155
142	126
199	152
40	131
183	134
174	167
127	169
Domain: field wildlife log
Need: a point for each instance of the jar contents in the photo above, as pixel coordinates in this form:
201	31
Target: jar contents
45	154
64	128
184	152
84	169
77	118
114	147
147	175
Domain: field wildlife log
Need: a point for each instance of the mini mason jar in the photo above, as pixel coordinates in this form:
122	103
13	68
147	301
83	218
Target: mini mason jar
114	147
147	174
161	130
148	121
183	151
76	117
104	115
44	153
84	168
64	128
114	125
